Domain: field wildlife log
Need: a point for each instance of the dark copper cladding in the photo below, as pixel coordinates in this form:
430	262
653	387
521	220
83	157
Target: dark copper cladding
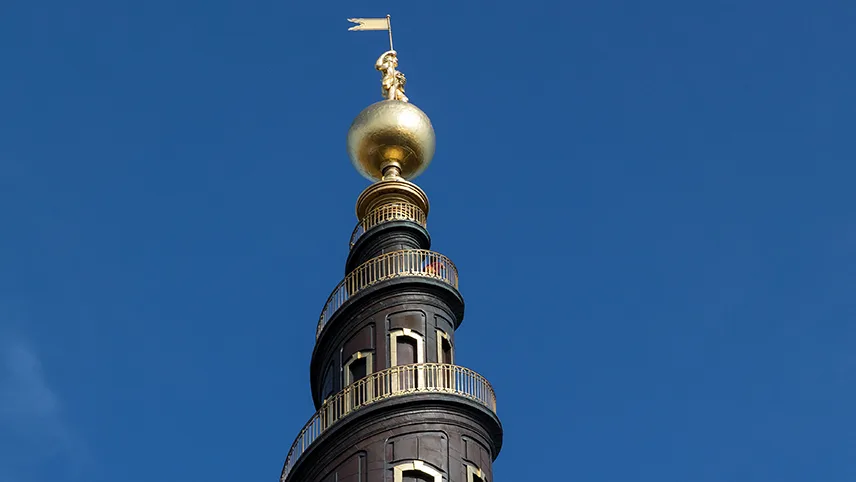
443	429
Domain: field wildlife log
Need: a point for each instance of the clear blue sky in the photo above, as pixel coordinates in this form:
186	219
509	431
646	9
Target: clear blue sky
651	205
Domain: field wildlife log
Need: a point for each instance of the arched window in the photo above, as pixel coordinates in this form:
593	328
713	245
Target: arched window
416	471
444	348
406	349
358	367
443	375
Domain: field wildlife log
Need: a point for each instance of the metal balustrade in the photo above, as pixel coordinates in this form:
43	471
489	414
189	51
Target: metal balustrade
392	382
408	262
386	213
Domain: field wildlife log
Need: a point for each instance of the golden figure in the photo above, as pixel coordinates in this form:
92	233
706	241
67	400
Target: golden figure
392	81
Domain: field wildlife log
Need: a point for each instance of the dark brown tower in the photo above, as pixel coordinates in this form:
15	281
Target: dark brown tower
391	404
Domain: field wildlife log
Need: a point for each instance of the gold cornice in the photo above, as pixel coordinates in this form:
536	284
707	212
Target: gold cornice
389	191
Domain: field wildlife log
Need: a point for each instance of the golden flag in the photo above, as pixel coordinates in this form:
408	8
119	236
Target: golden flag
370	23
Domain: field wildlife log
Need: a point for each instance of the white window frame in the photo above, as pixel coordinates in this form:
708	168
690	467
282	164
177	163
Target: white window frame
420	354
368	355
393	345
417	465
472	470
442	335
346	368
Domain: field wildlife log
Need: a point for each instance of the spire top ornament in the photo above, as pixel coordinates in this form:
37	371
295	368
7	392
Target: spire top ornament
391	139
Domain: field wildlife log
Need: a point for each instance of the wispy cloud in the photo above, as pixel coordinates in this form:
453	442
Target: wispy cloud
32	422
25	391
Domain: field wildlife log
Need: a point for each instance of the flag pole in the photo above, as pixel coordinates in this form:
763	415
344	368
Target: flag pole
389	29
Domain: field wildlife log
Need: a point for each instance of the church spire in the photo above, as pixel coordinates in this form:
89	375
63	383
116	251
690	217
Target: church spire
392	406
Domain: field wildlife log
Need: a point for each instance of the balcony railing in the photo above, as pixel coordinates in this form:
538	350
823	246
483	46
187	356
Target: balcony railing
387	213
395	381
408	262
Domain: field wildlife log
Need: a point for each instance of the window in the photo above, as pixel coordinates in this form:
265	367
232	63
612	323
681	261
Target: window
416	471
406	349
416	476
444	348
358	367
443	376
475	474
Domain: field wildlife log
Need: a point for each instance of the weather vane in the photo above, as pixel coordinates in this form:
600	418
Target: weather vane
392	81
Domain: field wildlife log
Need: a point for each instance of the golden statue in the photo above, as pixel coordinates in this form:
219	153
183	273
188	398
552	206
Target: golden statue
392	81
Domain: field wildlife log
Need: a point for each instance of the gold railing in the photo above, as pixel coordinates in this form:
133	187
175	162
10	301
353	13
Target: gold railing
387	213
408	262
395	381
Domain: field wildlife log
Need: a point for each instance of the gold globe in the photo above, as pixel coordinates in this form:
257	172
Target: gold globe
391	137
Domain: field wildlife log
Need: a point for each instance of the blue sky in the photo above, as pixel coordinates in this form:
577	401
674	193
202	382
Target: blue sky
650	204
